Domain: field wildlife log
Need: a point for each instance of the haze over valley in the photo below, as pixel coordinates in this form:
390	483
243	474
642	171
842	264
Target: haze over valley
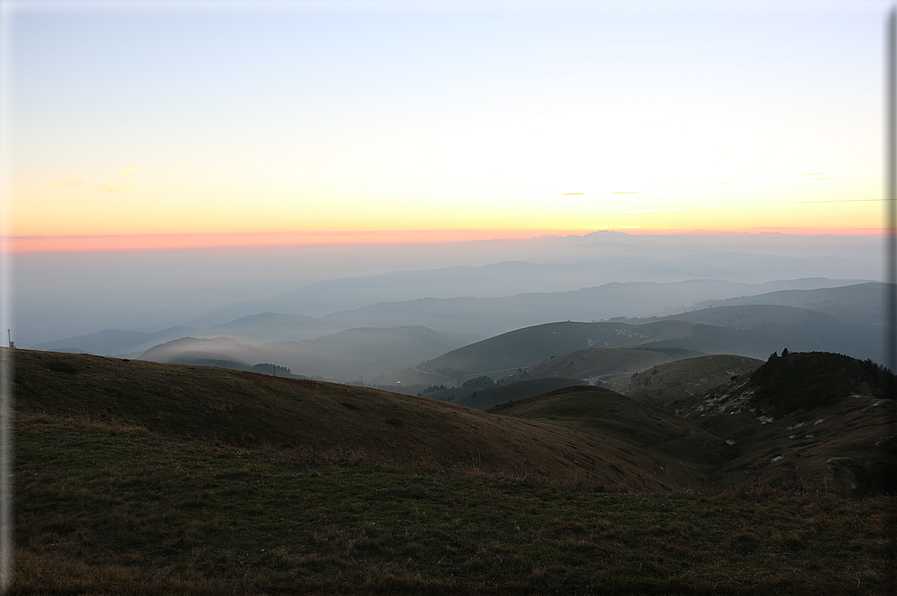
445	297
369	328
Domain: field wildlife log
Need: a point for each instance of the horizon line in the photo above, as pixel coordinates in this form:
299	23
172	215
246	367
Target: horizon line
189	240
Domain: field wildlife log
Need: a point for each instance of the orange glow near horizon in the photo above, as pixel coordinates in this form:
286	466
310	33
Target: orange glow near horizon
125	242
224	240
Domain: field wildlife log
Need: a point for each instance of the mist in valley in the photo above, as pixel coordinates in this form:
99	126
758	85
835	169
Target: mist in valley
302	307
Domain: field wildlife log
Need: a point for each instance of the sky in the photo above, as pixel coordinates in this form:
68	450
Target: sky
164	125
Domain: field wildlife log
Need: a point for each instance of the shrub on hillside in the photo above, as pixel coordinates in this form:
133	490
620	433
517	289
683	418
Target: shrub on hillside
801	381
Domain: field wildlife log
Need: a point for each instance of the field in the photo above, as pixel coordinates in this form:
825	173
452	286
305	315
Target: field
112	509
141	478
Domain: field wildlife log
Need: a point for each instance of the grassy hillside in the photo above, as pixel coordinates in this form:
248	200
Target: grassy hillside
682	378
594	364
249	409
142	478
802	421
483	399
677	446
116	509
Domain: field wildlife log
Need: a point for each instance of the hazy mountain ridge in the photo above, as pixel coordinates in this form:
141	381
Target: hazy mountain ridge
492	316
511	278
752	331
859	303
502	355
147	296
111	342
478	317
345	356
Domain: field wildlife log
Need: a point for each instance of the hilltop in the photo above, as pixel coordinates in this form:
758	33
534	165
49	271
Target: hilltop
504	354
590	434
680	379
803	420
138	478
251	409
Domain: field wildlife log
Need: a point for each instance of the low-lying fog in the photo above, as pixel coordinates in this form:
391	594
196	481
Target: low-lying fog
62	295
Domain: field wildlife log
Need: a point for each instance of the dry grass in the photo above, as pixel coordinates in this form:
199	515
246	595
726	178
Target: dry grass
116	509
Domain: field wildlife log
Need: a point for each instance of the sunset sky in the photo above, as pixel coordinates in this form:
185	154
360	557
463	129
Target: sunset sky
185	124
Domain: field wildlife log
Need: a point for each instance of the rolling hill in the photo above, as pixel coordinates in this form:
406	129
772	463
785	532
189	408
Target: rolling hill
596	365
752	331
112	342
502	355
861	304
243	408
135	477
485	398
802	420
722	437
680	379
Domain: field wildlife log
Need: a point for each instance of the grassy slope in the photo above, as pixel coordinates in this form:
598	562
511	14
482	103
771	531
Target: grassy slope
680	449
483	399
682	378
242	408
113	509
839	442
138	478
594	362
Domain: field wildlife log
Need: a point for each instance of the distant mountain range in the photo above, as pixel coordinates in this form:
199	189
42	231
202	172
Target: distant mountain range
513	278
463	320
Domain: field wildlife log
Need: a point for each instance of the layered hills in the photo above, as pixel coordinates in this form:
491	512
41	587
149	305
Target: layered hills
798	421
144	478
470	319
243	408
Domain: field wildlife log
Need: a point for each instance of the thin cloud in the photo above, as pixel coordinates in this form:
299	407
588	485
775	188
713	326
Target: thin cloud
65	184
110	188
845	201
784	179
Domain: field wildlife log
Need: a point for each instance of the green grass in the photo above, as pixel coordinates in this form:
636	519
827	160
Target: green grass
141	478
117	509
482	399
